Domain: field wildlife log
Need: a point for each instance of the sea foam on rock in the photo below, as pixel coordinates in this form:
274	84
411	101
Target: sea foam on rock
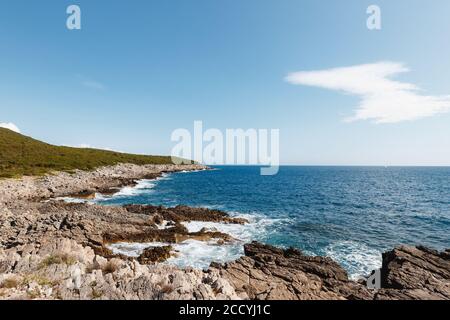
57	250
63	269
271	273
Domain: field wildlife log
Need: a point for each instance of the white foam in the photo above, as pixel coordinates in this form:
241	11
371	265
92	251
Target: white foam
163	225
190	253
71	200
200	254
132	249
209	206
141	187
192	171
244	232
357	257
164	176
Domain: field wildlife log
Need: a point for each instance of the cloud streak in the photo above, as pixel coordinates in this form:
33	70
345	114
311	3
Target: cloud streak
11	126
88	146
93	85
383	100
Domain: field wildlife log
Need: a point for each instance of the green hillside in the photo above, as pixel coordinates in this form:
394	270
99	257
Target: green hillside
21	155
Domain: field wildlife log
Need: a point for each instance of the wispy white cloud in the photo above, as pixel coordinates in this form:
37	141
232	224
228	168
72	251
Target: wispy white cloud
82	146
383	100
93	84
90	83
88	146
10	126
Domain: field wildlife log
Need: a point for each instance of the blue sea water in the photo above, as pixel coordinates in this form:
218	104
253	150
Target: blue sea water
351	214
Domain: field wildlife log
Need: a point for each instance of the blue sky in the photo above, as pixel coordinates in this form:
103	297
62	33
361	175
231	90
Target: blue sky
140	69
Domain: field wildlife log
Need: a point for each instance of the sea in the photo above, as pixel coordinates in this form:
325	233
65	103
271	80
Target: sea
350	214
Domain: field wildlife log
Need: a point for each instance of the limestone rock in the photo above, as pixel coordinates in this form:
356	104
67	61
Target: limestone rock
269	273
46	272
415	273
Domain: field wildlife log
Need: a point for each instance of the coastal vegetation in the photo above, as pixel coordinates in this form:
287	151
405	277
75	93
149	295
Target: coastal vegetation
24	156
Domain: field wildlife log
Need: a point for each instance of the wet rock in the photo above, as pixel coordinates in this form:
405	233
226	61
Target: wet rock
267	272
175	234
186	214
87	276
84	195
158	219
25	218
96	225
155	254
56	250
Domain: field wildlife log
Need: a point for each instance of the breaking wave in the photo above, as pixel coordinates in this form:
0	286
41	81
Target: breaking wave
357	258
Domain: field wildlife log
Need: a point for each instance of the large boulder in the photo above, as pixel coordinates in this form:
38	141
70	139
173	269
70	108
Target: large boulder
415	273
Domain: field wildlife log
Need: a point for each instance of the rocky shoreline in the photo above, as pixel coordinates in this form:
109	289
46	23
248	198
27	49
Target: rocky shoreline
101	180
56	250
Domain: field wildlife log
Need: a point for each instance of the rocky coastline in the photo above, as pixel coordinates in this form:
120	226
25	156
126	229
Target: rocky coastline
51	249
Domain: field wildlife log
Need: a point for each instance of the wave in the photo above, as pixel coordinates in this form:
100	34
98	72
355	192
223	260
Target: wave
72	200
189	253
200	254
359	259
192	171
142	186
206	206
132	249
